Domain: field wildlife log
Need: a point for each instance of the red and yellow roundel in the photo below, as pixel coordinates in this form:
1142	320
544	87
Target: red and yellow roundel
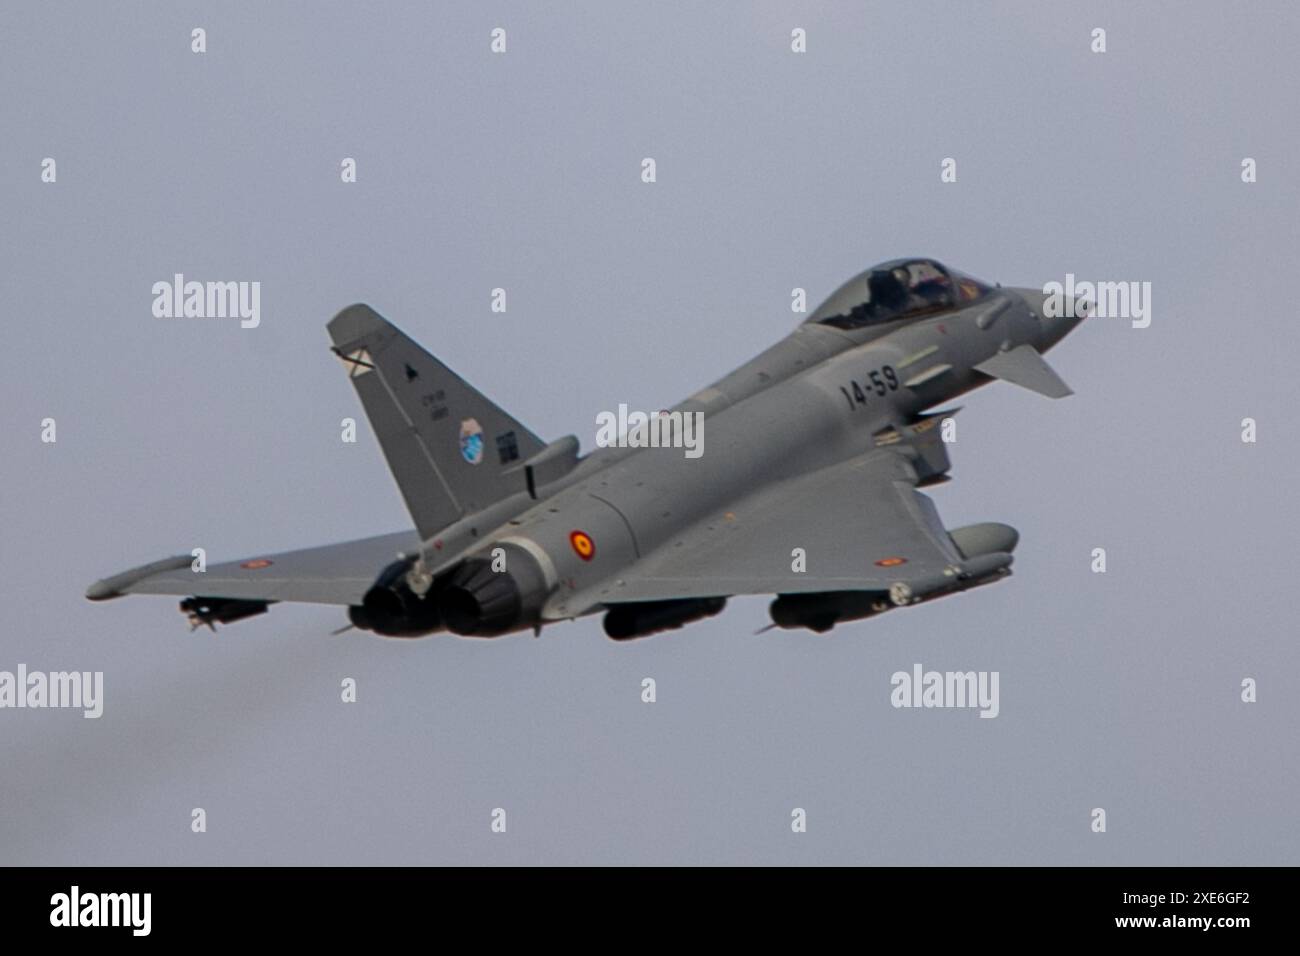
890	562
257	564
583	546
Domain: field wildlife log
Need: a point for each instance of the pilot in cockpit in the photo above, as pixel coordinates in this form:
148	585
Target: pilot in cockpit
888	290
930	286
902	289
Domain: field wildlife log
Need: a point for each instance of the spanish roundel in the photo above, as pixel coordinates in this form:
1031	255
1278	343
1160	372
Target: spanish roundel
583	546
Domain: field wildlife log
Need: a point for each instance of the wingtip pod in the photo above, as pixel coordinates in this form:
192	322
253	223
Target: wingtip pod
101	591
970	573
116	585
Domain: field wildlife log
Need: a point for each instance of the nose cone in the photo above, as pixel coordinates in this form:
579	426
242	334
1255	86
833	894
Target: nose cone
1057	314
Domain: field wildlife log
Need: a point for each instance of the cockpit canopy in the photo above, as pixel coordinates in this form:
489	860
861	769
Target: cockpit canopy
900	289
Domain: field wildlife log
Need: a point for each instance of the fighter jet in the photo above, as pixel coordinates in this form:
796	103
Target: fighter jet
806	488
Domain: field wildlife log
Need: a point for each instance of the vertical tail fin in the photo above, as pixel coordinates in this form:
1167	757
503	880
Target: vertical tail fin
447	446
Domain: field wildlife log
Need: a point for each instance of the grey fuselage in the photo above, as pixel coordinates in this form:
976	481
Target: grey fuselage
796	408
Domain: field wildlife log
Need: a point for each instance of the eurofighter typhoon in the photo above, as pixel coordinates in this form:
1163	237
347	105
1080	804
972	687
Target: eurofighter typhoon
806	489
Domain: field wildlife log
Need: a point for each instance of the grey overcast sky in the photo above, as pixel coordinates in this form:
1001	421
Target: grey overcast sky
775	170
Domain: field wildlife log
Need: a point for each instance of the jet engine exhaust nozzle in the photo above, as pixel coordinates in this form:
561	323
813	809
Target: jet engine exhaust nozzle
480	602
392	609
